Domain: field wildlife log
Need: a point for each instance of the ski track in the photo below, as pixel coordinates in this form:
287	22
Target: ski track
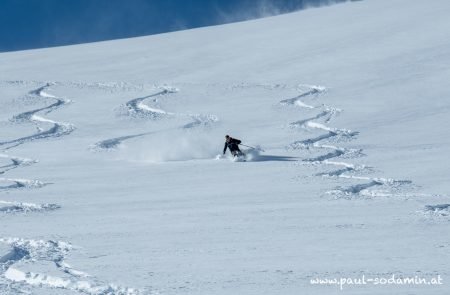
113	143
57	129
17	207
137	108
12	183
15	162
25	252
345	170
298	99
199	120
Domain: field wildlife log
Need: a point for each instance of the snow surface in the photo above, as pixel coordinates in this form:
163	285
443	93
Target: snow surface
110	180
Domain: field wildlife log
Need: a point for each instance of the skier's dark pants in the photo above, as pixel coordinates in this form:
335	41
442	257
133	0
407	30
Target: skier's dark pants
233	145
234	149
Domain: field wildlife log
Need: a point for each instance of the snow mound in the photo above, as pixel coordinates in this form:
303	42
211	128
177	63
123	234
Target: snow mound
24	252
441	210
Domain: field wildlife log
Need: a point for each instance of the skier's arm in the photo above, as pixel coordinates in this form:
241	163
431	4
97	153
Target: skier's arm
225	148
236	141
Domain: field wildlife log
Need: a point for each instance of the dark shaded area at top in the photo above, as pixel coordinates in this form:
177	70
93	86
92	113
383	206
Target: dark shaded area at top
27	24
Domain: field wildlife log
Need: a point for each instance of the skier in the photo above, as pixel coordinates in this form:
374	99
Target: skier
233	145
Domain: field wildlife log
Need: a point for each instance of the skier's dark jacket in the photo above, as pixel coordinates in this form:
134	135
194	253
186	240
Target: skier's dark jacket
232	144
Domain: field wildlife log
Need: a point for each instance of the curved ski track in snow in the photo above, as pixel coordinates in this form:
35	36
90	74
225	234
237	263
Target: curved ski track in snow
24	252
56	130
137	108
113	143
15	162
297	101
345	170
11	183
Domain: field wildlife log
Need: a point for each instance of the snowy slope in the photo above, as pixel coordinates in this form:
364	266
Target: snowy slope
110	181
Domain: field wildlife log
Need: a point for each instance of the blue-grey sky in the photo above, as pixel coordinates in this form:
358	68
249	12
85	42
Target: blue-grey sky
26	24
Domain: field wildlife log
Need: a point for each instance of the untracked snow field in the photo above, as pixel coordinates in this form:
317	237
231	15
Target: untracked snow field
112	179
